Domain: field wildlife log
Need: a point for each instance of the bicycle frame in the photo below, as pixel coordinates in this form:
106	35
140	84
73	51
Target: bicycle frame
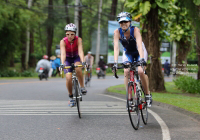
75	86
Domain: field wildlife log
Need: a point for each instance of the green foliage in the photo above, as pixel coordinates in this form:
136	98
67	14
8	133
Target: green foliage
188	84
145	7
162	3
27	74
137	7
9	73
12	73
196	2
14	17
179	25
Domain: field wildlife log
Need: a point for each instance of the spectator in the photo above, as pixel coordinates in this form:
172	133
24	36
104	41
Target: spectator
57	64
167	68
53	67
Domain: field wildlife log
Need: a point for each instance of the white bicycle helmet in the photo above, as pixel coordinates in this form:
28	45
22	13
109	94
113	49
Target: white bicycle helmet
71	27
124	16
101	57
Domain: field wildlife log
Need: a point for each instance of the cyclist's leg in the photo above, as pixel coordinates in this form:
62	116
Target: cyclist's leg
144	78
68	73
127	59
79	74
69	82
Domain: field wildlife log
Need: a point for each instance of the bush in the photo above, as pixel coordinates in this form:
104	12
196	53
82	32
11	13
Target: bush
9	73
188	84
27	74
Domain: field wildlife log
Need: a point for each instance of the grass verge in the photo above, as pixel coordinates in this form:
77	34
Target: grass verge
172	96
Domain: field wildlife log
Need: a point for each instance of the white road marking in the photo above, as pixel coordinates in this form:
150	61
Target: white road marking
41	107
164	128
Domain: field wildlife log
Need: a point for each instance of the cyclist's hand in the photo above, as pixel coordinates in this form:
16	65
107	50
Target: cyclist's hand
84	64
114	68
143	62
62	66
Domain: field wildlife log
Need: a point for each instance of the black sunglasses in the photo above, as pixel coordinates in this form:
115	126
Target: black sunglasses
123	22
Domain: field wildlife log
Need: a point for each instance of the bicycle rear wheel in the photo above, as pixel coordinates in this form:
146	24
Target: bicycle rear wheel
132	105
144	110
76	89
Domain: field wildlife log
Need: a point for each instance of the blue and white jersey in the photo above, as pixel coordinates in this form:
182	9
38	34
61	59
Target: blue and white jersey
130	44
131	53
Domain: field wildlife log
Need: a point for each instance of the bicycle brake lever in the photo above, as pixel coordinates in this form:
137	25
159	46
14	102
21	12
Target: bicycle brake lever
115	74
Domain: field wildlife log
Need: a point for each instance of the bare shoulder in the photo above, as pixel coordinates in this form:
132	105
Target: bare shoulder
79	39
136	29
116	32
62	42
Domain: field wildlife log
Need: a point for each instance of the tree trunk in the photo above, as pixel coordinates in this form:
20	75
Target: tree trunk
198	53
23	52
12	64
66	11
156	80
32	59
50	28
113	10
80	21
182	52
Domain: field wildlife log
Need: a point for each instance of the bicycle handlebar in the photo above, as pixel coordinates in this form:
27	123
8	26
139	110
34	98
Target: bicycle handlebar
72	66
132	65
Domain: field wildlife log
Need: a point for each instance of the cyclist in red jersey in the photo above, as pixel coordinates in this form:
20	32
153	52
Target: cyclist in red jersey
72	52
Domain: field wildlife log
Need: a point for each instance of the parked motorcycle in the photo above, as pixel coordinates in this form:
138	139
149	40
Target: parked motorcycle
42	74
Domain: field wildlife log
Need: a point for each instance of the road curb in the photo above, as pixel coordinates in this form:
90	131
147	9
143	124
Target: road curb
193	115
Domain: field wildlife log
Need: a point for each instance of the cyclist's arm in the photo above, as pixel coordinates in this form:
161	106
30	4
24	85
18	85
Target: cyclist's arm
116	45
63	51
138	37
80	50
91	61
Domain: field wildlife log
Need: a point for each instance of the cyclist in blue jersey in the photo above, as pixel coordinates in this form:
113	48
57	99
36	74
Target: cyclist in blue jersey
134	49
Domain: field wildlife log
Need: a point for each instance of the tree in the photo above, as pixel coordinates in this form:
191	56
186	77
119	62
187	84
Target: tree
113	10
180	29
50	27
66	11
194	9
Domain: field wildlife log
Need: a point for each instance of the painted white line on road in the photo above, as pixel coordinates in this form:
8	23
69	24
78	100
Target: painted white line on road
91	114
164	128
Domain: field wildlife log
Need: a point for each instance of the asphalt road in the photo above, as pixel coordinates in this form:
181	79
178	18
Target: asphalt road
37	110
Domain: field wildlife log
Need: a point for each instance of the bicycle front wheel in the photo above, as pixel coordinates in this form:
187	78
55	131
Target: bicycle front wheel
144	110
76	89
133	106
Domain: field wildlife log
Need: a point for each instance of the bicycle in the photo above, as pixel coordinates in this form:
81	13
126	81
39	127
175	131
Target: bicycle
87	76
135	101
77	95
